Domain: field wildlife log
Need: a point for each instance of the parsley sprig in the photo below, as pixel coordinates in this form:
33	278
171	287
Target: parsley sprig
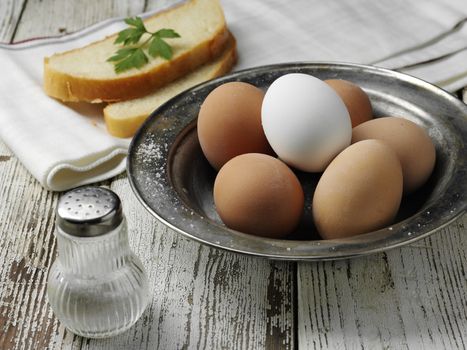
133	56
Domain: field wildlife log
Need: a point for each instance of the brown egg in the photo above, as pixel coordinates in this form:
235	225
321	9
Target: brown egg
229	123
411	143
258	194
355	99
359	192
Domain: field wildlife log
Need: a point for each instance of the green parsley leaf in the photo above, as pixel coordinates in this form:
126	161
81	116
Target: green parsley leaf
136	22
167	33
129	36
159	47
121	54
129	58
134	56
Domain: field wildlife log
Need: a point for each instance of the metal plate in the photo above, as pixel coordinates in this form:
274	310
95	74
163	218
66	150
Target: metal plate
174	182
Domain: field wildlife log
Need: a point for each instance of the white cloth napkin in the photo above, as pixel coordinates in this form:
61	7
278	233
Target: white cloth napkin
66	145
395	34
62	145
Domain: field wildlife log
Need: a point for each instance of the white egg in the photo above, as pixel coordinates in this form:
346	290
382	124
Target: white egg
305	121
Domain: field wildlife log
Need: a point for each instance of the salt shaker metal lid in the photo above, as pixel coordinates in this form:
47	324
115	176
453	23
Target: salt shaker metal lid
89	211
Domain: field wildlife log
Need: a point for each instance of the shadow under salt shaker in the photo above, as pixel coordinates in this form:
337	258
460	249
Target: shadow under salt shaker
97	286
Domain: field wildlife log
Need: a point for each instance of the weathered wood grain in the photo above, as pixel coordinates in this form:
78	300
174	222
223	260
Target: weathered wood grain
26	250
10	14
412	297
69	16
45	18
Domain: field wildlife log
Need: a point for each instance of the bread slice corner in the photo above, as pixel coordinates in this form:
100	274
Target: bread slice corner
85	75
124	118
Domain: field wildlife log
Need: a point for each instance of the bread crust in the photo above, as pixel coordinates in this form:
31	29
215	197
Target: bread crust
70	88
127	127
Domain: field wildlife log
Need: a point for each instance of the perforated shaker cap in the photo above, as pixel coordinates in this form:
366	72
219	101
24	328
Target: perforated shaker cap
89	211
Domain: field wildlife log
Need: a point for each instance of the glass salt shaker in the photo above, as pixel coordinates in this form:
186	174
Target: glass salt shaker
97	287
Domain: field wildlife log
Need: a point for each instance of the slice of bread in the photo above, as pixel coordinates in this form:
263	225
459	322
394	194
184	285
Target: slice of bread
124	118
85	75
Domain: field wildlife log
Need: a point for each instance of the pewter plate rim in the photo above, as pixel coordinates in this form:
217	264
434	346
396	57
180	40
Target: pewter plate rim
183	219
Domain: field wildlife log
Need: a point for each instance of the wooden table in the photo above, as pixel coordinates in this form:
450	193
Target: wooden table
412	297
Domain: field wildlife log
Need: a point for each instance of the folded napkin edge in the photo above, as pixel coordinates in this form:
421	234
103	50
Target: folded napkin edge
71	174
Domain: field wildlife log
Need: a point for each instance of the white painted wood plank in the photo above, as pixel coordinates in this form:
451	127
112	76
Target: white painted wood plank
412	297
26	250
10	11
430	277
54	17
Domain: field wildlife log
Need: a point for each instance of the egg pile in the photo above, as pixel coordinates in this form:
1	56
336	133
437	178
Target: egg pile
255	138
